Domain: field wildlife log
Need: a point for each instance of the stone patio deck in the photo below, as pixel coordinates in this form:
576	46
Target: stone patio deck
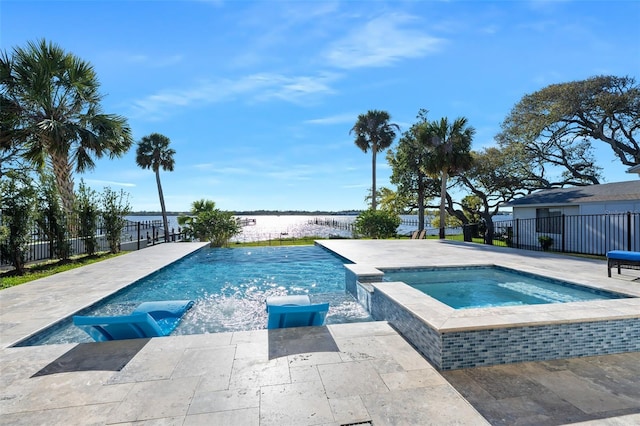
333	375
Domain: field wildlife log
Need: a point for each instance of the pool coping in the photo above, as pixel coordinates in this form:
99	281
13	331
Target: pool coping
447	319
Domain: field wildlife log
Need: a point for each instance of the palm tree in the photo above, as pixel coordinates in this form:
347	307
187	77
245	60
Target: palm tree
450	146
408	173
59	120
374	132
153	153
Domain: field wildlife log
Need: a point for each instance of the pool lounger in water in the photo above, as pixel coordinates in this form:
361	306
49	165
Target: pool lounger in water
149	319
294	311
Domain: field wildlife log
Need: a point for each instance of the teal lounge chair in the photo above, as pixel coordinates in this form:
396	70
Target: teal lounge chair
294	311
149	319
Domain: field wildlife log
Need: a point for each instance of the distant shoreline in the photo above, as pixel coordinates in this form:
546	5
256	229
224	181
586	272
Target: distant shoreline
284	213
261	213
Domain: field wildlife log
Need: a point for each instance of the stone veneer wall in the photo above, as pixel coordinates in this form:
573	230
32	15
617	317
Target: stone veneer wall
539	343
448	351
425	339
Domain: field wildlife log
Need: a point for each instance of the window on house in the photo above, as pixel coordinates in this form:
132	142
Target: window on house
548	221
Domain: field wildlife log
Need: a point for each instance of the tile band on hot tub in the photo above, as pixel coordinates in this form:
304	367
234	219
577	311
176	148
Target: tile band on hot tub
539	343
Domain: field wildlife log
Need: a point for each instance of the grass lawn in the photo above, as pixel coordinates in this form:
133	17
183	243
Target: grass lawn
303	241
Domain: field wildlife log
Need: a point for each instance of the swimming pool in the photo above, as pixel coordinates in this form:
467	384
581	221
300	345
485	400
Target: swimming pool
230	287
492	286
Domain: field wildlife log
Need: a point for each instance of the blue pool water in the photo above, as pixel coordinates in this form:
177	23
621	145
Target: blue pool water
482	287
229	287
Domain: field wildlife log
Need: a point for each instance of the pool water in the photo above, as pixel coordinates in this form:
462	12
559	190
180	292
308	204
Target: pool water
229	287
490	286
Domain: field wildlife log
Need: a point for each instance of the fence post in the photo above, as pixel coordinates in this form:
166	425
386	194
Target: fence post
628	231
138	236
563	231
517	233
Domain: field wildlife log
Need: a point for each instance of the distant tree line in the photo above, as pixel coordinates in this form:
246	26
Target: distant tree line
296	213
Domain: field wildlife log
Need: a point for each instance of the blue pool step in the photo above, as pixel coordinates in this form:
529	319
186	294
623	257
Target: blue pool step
294	311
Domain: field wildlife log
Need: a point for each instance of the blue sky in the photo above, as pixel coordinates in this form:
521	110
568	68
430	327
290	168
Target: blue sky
258	97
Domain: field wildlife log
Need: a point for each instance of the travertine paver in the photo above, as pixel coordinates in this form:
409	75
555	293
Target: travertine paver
373	374
602	390
364	379
225	400
306	404
433	405
244	417
349	410
156	399
199	380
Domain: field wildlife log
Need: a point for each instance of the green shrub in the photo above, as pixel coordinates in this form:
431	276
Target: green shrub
376	224
17	198
52	219
115	206
207	223
88	210
545	242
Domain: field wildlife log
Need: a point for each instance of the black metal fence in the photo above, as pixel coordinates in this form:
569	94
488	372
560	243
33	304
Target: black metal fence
594	234
134	236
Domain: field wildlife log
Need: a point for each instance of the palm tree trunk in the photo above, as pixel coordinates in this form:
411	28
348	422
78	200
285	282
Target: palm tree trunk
489	234
62	172
420	205
164	210
443	195
373	178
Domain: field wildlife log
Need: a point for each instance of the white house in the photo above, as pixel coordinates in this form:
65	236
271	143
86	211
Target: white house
587	219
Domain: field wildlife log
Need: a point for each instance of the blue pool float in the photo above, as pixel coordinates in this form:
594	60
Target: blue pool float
149	319
294	311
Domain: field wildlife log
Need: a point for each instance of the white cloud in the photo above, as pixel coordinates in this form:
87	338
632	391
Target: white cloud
296	89
293	173
382	42
356	186
490	29
334	119
204	166
256	87
233	170
304	12
109	183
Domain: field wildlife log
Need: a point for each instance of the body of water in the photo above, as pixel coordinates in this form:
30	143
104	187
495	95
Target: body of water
490	286
273	227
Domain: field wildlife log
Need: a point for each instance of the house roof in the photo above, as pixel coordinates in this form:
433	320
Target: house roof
634	169
618	191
